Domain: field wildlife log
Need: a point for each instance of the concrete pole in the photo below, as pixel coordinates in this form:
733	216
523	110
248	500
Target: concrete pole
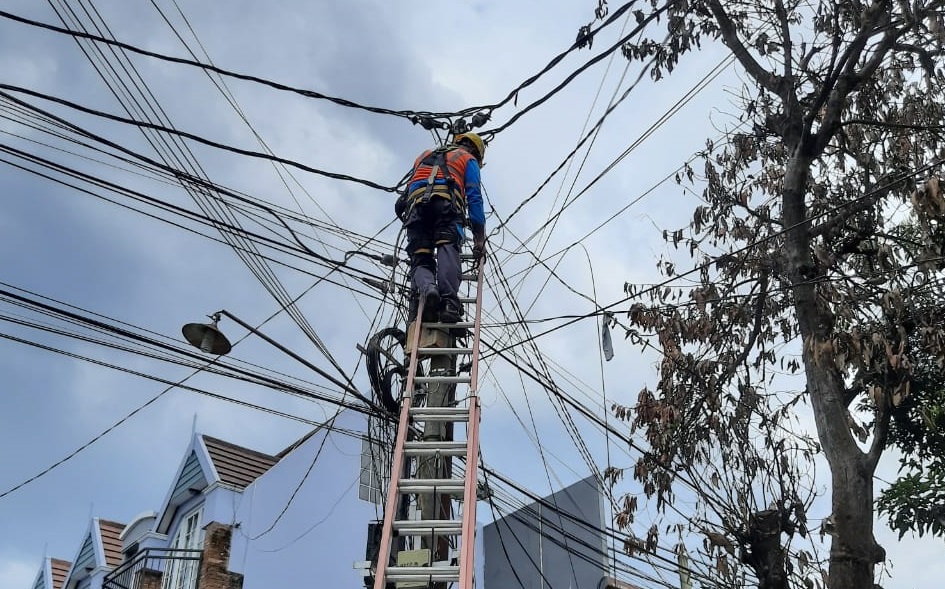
436	506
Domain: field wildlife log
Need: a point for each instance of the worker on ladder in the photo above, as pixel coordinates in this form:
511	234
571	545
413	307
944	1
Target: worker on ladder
444	185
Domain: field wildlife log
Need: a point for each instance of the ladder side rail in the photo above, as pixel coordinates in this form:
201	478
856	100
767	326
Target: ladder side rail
397	460
474	371
467	551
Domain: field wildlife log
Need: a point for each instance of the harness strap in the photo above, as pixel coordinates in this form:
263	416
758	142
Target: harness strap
439	159
431	181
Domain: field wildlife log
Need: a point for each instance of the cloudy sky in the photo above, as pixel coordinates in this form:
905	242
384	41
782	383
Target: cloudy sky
69	243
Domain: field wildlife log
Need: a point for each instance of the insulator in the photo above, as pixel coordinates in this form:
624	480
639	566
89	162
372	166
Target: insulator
479	119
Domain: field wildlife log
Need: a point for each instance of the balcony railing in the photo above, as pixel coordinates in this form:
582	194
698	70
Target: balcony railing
157	568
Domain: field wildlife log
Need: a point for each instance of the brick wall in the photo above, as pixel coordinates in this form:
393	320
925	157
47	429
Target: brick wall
216	555
148	579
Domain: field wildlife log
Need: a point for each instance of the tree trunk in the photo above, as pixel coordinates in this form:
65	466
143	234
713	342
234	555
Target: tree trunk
853	550
767	553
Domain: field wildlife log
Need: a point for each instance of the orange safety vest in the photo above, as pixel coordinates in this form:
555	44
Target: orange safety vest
456	160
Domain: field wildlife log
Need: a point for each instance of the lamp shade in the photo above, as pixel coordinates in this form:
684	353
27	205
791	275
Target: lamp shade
207	337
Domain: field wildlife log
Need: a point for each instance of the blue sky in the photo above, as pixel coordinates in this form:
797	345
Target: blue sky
104	259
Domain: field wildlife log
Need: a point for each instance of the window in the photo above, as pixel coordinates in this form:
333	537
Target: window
181	572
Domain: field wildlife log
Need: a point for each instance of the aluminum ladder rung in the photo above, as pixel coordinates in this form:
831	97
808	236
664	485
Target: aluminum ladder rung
421	527
451	486
459	325
432	448
471	277
467	300
436	574
443	351
461	379
440	413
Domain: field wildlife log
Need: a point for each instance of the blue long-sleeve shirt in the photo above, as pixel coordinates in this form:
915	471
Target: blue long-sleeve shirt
472	180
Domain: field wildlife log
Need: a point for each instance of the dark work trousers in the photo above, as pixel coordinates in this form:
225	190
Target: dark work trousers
433	242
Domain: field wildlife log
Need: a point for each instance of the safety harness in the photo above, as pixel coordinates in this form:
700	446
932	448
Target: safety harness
438	160
446	164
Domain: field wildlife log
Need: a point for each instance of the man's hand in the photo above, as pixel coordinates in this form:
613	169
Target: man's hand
479	246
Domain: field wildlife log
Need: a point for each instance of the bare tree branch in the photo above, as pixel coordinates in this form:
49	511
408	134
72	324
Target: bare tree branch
756	327
785	38
765	79
880	433
849	79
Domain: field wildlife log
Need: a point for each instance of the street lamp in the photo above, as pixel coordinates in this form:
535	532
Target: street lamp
209	338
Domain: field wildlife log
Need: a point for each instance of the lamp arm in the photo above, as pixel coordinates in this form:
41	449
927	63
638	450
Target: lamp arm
345	386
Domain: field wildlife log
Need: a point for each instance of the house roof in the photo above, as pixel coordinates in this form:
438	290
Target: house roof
100	548
236	465
60	568
111	541
208	461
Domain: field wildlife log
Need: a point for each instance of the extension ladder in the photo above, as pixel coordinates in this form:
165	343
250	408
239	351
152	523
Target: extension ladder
434	409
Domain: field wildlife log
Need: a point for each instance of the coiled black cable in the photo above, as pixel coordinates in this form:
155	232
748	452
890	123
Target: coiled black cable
381	374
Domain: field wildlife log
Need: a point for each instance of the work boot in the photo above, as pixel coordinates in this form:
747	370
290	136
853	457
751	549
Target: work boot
431	303
451	311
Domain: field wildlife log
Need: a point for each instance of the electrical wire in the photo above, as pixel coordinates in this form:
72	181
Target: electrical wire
143	99
414	116
191	136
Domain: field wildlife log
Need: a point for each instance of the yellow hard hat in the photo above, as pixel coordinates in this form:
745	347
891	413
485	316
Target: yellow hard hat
476	140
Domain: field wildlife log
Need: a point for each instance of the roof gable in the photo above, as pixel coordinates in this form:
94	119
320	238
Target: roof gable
40	582
85	559
52	574
236	465
101	548
210	460
193	476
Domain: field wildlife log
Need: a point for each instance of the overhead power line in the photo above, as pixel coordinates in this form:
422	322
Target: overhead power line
297	249
426	118
275	215
140	103
171	386
414	116
599	57
584	40
187	135
130	334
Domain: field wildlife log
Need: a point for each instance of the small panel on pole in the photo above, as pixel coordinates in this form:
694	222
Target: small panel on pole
429	338
413	558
